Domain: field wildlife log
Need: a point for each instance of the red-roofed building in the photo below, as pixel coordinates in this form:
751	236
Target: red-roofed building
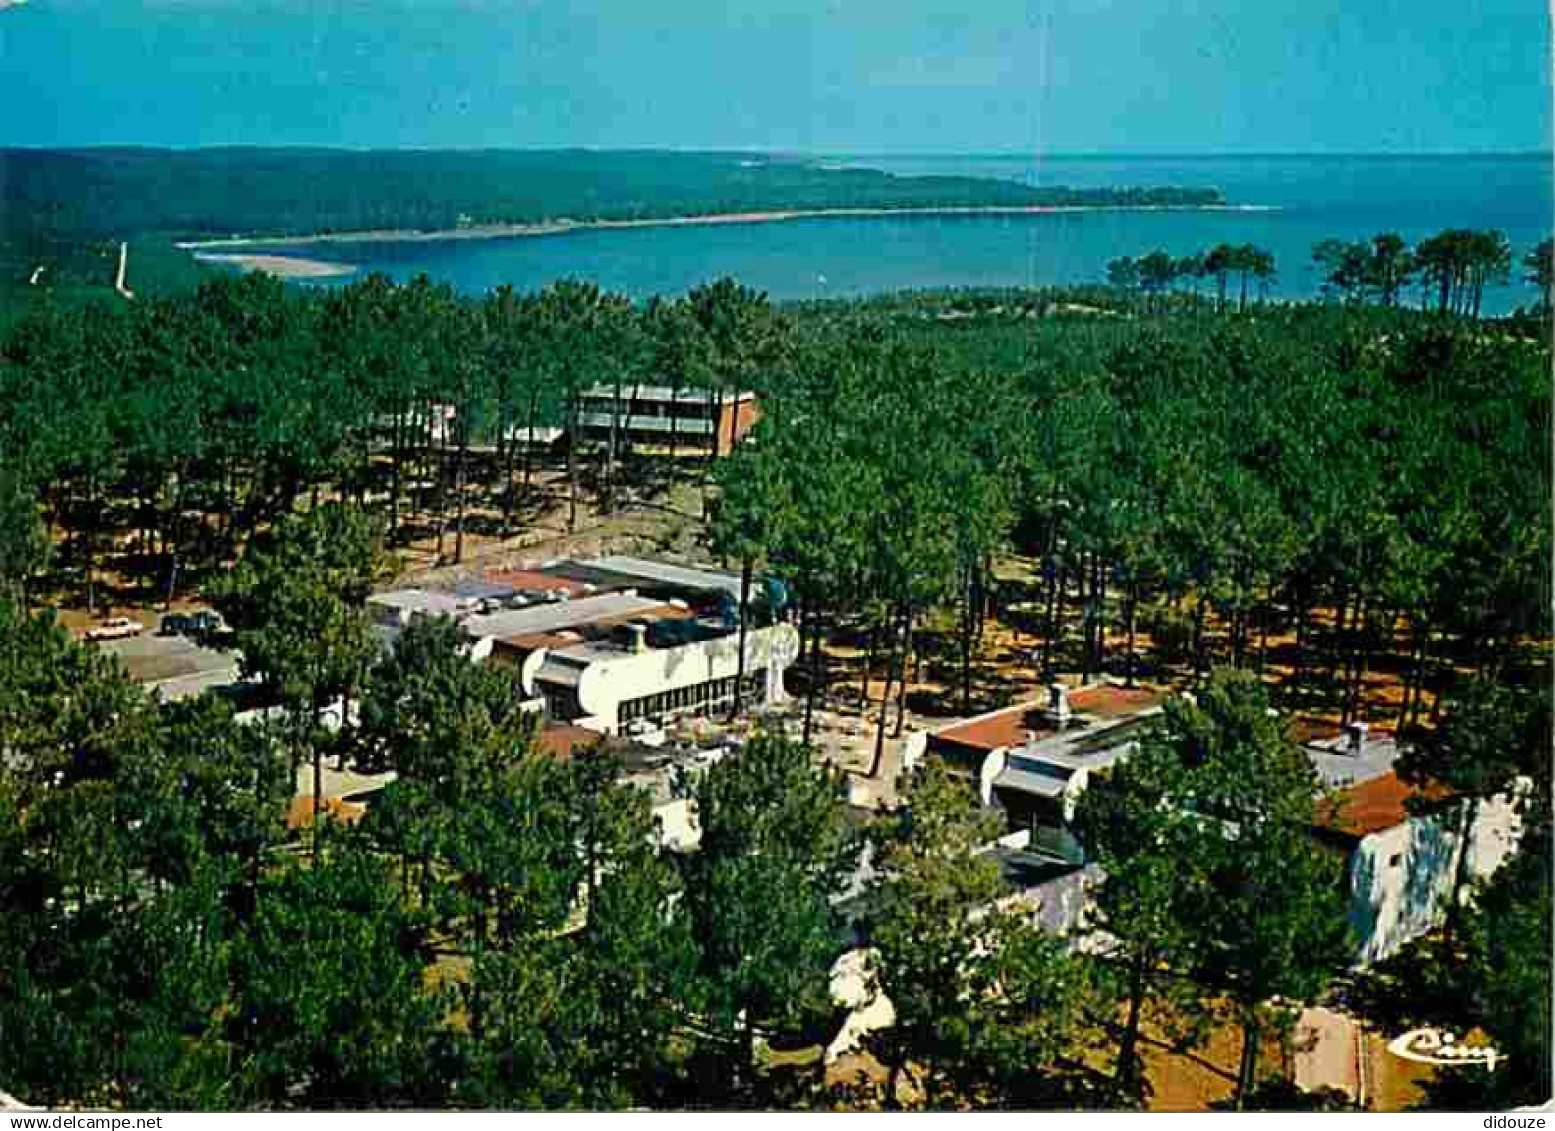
534	581
967	744
1356	812
561	741
1399	867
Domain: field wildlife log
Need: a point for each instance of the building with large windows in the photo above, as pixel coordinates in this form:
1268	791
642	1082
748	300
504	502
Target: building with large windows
615	644
640	670
666	419
604	654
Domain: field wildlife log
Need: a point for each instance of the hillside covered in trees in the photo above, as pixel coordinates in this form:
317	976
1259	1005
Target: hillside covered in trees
1264	504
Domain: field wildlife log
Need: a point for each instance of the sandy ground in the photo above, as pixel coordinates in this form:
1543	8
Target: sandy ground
282	266
1393	1083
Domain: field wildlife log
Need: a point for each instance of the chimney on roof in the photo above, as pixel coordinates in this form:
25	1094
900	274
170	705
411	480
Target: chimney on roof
1355	738
1058	710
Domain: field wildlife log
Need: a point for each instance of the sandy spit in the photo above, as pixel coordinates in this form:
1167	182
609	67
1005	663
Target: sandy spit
282	266
562	226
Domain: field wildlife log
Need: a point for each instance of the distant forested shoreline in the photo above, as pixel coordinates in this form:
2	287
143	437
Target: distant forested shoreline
103	192
55	205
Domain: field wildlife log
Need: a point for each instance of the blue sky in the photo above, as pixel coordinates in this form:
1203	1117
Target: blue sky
1112	76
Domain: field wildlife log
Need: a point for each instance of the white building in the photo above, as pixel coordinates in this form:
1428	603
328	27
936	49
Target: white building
616	660
399	607
624	675
1399	868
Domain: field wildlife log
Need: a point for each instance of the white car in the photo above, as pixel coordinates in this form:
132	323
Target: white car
114	628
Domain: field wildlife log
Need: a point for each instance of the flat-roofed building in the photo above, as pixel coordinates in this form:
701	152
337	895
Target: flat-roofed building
555	616
613	644
652	578
622	663
1402	866
175	667
659	416
398	607
532	585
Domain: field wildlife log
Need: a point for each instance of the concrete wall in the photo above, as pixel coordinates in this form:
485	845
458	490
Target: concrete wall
743	415
1401	878
676	823
605	683
993	765
1060	905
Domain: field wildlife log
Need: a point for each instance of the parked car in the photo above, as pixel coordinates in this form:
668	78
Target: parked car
114	628
191	624
207	621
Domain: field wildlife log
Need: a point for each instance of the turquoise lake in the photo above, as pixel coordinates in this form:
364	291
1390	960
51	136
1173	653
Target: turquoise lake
1307	198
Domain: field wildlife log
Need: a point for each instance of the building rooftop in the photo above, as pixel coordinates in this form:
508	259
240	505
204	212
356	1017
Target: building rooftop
1044	767
1034	778
561	741
664	625
1009	726
1068	752
1368	806
419	601
1027	722
158	659
1339	766
1367	794
556	615
537	583
685	395
617	571
530	641
1107	701
483	589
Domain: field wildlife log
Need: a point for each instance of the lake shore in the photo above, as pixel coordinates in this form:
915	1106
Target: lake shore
565	226
281	266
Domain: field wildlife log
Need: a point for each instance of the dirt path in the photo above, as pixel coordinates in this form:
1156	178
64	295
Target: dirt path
124	262
1326	1046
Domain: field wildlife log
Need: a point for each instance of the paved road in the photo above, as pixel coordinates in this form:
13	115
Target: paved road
1325	1051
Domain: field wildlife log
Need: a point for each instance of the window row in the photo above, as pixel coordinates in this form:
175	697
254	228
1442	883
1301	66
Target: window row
693	699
